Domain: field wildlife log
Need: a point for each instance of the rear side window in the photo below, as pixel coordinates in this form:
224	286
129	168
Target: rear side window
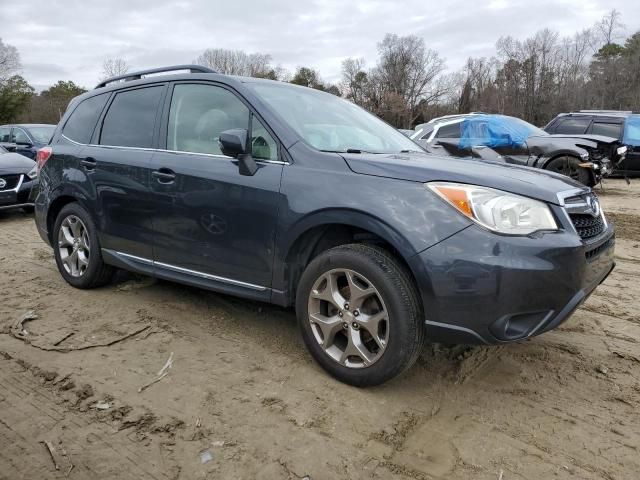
83	120
608	129
572	126
449	131
131	119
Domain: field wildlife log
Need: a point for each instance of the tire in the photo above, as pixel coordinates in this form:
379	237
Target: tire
93	272
400	332
569	166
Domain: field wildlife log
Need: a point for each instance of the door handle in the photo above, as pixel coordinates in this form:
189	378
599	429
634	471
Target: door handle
89	163
164	175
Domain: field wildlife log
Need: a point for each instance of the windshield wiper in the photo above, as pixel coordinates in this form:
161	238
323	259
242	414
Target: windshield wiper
410	151
351	150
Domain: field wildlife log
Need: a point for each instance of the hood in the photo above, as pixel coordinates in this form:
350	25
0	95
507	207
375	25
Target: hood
15	163
423	167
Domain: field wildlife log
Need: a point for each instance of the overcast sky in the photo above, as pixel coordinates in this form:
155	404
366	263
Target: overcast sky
70	39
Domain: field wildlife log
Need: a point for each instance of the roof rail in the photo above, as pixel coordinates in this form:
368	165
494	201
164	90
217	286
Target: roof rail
618	112
127	77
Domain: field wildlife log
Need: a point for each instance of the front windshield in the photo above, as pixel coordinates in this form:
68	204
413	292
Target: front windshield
42	134
329	123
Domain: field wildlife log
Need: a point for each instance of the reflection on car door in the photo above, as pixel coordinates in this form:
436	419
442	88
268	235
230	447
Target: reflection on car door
211	222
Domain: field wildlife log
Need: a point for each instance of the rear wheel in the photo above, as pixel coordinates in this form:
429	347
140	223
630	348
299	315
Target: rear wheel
77	250
570	166
359	314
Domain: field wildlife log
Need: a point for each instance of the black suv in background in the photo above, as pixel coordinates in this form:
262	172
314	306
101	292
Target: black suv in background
289	195
27	137
624	126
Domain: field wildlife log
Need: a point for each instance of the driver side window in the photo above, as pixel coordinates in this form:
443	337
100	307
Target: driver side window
19	136
199	113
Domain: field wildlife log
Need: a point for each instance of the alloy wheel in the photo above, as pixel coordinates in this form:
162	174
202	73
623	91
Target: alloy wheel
73	246
348	318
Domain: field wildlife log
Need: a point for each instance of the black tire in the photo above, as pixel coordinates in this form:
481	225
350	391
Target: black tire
570	166
97	273
406	329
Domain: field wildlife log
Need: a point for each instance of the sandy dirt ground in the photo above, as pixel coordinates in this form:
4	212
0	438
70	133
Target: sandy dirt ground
243	400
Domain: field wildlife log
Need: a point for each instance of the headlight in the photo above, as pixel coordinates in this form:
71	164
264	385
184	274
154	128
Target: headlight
33	173
622	150
496	210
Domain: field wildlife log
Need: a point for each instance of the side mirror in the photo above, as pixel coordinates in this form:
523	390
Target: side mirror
24	144
233	143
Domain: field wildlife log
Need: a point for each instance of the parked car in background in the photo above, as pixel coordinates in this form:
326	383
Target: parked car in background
585	158
625	126
289	195
17	179
28	137
405	132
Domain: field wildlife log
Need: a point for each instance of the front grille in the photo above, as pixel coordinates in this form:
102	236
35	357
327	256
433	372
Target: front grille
12	181
587	225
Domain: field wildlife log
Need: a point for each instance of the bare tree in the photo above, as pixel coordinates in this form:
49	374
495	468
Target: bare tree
238	62
113	67
407	70
354	79
610	28
9	61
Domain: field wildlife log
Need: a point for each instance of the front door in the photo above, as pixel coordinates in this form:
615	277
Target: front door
210	222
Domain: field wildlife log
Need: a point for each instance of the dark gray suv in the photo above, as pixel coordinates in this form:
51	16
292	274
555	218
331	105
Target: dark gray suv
289	195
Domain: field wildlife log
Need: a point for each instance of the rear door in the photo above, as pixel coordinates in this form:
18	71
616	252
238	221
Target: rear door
117	162
210	222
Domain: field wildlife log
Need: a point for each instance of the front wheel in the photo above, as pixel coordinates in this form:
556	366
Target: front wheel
570	167
359	314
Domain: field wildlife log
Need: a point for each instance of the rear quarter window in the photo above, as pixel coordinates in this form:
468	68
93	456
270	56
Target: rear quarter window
130	120
80	125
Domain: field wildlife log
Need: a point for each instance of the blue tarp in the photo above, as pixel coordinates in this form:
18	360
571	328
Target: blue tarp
494	131
632	131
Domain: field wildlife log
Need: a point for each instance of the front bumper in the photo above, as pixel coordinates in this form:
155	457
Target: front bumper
19	196
479	287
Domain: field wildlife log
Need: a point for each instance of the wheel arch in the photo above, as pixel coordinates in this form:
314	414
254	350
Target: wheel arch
329	229
60	200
